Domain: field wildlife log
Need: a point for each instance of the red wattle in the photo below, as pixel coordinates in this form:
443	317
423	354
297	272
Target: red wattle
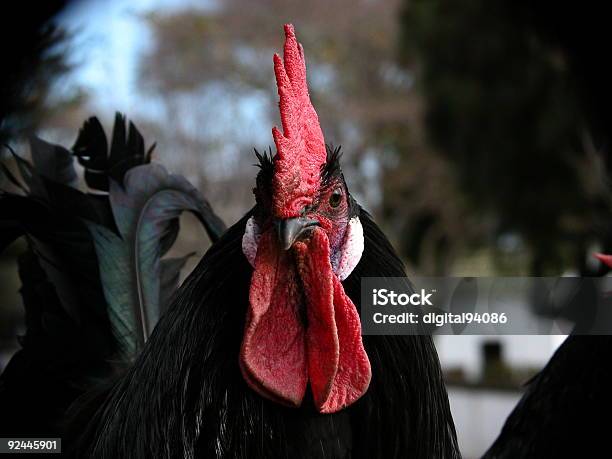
272	358
338	366
280	354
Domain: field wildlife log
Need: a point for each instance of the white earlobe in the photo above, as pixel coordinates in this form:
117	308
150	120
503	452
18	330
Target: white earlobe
250	240
343	262
351	250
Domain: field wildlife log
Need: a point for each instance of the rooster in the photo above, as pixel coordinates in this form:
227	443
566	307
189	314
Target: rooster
564	411
259	353
565	406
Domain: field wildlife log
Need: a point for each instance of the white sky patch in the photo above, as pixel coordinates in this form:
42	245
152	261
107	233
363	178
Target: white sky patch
109	38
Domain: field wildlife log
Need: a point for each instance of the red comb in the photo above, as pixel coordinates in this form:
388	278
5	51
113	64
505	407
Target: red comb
300	147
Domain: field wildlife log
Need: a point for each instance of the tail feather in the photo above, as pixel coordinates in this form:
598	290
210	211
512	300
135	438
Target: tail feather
69	277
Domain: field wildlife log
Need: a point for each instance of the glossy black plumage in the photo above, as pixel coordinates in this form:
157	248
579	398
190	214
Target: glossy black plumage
69	345
565	410
185	397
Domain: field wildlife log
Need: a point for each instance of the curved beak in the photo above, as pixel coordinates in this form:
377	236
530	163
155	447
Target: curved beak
290	229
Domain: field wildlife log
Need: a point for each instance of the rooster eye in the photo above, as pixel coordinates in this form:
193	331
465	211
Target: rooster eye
335	198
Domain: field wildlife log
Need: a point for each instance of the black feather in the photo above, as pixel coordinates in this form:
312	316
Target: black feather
91	149
185	396
331	169
405	412
69	345
53	162
126	151
57	362
265	162
565	409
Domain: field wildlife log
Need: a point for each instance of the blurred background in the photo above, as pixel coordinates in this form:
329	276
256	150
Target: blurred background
476	132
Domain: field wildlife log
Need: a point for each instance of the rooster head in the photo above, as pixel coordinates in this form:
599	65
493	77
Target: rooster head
304	238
